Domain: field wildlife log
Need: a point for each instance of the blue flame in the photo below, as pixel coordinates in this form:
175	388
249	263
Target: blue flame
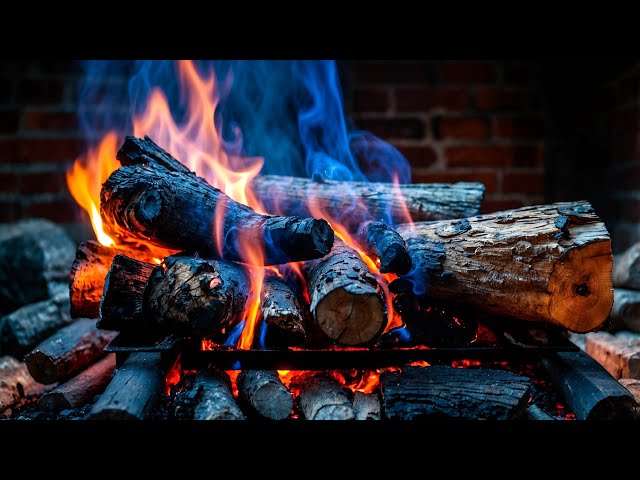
263	335
234	335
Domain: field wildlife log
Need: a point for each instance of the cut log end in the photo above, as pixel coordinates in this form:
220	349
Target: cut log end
581	288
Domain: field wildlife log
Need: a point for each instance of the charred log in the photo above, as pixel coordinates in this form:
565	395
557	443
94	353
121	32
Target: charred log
173	208
280	307
626	268
534	412
366	406
263	392
209	392
542	263
381	241
322	398
15	382
67	352
625	313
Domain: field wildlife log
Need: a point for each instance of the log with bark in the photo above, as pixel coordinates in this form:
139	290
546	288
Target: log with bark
81	388
262	392
156	199
625	313
210	390
24	328
15	382
418	393
381	241
68	351
633	385
590	391
35	256
356	202
366	406
620	356
541	263
121	303
322	398
133	390
347	302
280	307
626	268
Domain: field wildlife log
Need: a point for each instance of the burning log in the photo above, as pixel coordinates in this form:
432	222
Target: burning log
214	398
27	326
463	393
365	201
81	388
279	306
590	391
34	262
133	391
347	302
626	268
156	199
626	309
541	263
322	398
264	393
366	406
15	382
194	296
68	351
381	241
121	303
618	355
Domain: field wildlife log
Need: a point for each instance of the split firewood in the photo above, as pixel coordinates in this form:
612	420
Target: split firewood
280	307
368	200
133	390
590	391
620	356
626	268
381	241
366	406
24	328
625	313
81	388
541	263
214	400
68	351
15	382
322	398
35	256
264	393
121	303
463	393
156	199
347	302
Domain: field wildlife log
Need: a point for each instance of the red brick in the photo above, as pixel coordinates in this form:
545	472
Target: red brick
8	183
394	72
49	149
9	121
49	121
52	182
518	128
57	211
425	99
419	156
7	151
370	100
9	211
489	206
489	179
527	183
393	127
40	92
471	128
494	156
468	72
517	73
500	99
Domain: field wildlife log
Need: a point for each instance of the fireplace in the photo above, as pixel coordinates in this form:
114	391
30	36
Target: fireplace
254	255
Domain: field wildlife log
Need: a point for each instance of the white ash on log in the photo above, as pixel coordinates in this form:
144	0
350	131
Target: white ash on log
620	356
68	351
81	388
381	241
625	313
34	262
366	406
213	398
15	382
590	391
322	398
133	390
24	328
347	302
121	302
368	200
156	199
626	268
280	307
418	393
263	392
541	263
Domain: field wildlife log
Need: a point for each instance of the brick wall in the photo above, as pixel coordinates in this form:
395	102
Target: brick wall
459	121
